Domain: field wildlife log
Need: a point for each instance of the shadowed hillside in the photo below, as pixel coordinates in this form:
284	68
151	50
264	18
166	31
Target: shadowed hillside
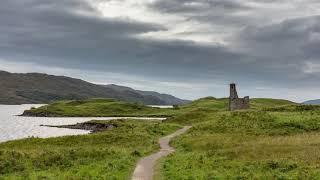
42	88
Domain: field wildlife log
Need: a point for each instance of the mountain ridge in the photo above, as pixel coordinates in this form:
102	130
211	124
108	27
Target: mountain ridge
35	88
312	102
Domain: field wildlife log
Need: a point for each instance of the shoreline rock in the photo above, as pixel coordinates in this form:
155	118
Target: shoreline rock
89	126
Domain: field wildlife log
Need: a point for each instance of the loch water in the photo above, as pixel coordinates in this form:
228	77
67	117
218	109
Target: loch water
14	127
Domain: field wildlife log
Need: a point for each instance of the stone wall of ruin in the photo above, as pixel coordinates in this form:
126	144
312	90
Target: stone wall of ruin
236	103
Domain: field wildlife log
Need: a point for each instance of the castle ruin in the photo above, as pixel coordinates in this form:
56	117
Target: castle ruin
236	103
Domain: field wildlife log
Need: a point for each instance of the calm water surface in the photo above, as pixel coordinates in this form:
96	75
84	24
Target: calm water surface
15	127
162	107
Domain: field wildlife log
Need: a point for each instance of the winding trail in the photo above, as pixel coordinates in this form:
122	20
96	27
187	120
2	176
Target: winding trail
145	167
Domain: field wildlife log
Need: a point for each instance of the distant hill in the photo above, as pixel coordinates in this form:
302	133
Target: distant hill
16	88
169	99
313	102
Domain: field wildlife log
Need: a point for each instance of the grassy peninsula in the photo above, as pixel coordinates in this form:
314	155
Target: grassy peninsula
117	108
97	108
275	139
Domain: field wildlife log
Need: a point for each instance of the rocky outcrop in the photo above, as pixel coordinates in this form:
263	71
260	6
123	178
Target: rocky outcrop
30	113
89	126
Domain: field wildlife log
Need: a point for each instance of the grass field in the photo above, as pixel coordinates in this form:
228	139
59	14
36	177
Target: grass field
247	145
275	139
111	154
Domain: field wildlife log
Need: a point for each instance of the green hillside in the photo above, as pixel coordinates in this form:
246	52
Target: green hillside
260	103
222	103
246	145
36	88
277	139
111	107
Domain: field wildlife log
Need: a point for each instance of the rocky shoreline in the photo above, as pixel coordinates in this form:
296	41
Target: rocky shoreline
29	113
89	126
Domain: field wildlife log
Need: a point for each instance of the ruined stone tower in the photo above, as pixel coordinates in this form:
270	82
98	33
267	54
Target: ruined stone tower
236	103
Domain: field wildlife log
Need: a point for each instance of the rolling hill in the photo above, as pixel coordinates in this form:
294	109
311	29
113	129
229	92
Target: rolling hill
35	88
115	108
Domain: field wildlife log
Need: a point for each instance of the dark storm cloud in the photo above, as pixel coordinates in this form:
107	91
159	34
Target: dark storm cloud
194	6
216	12
285	49
55	36
294	40
55	20
72	34
59	33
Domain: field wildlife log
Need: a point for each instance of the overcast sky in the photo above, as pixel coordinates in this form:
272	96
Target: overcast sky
188	48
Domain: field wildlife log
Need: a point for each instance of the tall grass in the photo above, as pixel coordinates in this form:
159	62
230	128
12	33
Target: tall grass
247	145
110	154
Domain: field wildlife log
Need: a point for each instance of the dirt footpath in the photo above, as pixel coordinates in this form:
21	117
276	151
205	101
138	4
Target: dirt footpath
145	167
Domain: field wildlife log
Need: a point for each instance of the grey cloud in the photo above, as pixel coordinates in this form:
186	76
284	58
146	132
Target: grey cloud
71	34
214	12
21	17
30	29
233	15
68	39
290	38
284	48
194	6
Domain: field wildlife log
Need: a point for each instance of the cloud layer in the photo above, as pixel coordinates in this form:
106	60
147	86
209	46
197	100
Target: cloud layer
190	48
